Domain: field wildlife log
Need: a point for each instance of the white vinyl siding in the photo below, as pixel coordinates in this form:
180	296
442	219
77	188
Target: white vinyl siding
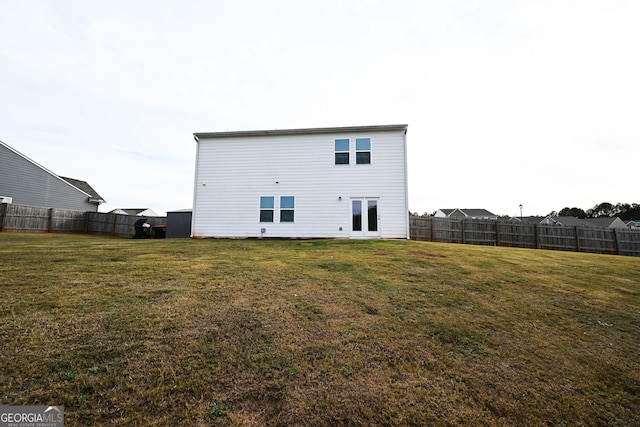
233	172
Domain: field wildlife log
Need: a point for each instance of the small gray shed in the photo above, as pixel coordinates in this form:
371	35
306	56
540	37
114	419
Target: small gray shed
179	224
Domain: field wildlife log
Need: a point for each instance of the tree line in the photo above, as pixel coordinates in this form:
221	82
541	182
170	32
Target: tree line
624	211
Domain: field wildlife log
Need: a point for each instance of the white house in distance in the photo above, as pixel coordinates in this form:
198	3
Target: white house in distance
135	212
341	182
465	213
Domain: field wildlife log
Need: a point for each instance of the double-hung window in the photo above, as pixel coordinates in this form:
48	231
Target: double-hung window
287	207
266	208
342	151
363	151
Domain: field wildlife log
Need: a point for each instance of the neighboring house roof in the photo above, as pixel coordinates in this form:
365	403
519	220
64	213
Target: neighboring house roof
477	212
568	221
607	222
571	221
445	212
135	212
84	186
304	131
532	219
470	213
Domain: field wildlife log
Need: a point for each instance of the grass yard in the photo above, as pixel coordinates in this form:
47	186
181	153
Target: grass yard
248	332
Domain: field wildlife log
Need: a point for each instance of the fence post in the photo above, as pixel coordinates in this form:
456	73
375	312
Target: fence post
462	230
431	221
577	238
113	229
498	232
3	214
50	225
536	230
616	241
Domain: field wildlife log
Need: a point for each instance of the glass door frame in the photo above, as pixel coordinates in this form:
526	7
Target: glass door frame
364	217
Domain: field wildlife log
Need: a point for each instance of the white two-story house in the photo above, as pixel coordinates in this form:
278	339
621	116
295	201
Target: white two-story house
341	182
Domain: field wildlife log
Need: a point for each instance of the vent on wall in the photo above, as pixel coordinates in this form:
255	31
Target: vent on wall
5	199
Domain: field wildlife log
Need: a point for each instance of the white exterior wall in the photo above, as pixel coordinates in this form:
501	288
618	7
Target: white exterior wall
232	173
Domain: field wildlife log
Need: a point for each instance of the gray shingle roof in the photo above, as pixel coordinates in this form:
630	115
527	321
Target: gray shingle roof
84	186
477	212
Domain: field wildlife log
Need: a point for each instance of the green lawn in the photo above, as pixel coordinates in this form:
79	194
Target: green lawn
251	332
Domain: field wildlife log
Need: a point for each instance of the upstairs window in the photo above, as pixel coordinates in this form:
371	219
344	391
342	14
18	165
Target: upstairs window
342	151
266	208
363	151
287	207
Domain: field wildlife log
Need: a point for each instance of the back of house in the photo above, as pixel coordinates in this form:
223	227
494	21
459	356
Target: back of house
345	182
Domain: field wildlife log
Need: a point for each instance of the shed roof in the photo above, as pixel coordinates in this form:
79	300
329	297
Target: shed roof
303	131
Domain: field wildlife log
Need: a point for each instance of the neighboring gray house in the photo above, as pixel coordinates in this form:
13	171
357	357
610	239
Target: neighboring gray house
465	213
25	182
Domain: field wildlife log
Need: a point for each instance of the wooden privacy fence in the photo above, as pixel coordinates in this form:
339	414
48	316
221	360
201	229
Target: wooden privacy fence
19	218
536	236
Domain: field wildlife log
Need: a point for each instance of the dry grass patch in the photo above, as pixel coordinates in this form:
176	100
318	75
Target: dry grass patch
248	332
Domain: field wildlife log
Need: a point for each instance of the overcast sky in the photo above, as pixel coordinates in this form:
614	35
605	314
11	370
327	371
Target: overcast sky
508	102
